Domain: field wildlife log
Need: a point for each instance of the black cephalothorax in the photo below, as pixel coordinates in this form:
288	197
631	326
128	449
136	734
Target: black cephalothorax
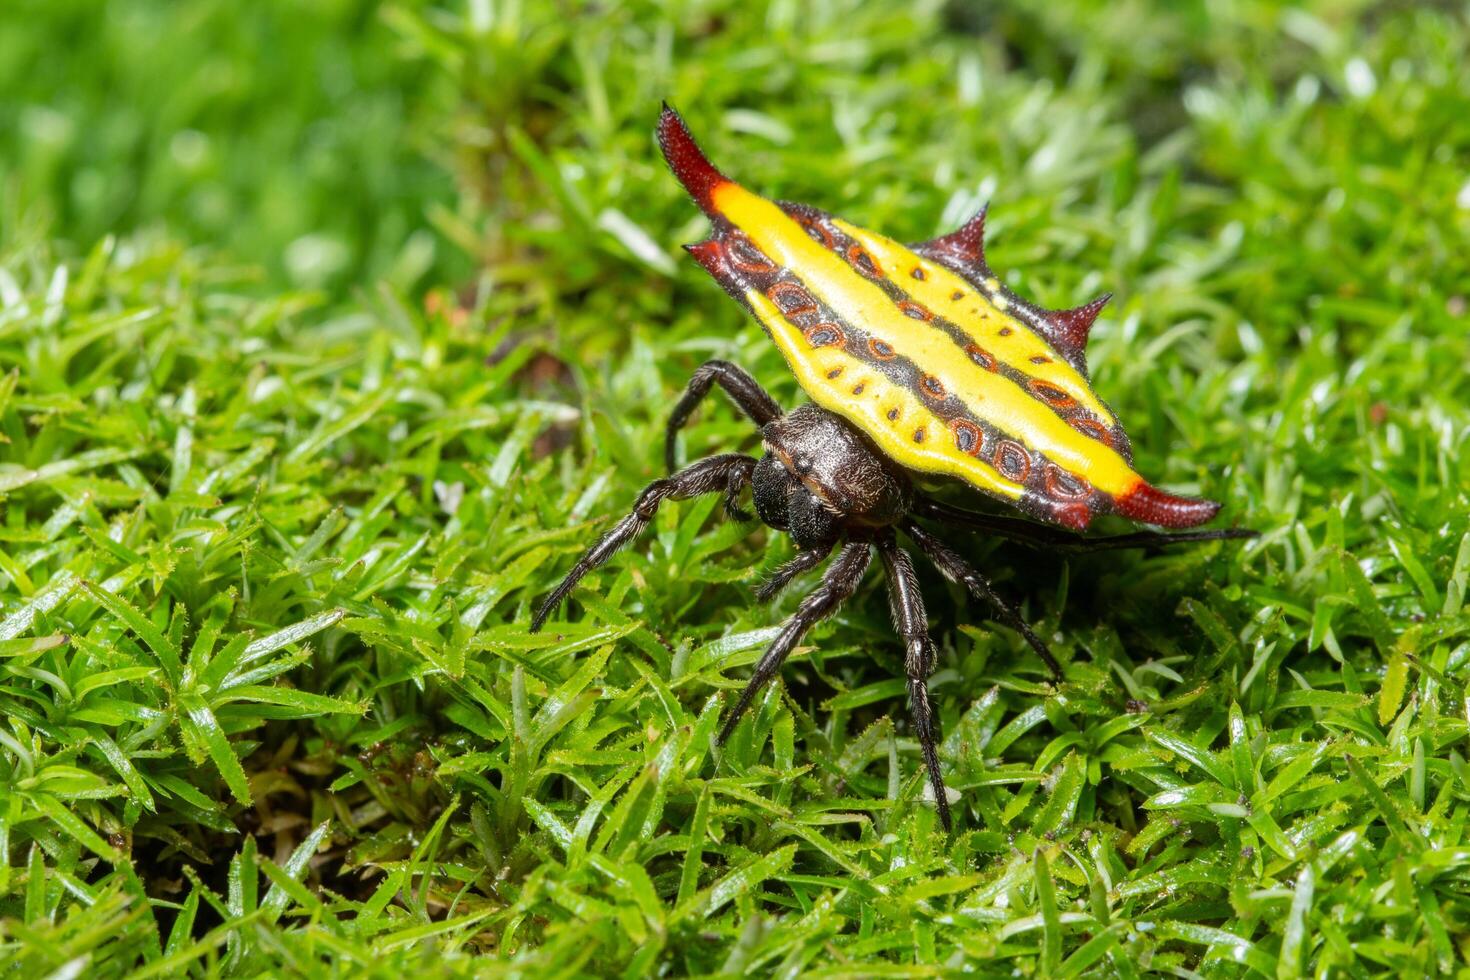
822	482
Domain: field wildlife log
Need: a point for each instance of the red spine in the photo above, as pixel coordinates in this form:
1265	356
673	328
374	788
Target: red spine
1151	505
688	162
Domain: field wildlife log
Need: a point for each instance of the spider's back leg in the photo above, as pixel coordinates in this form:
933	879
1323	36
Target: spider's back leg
1036	535
956	569
907	605
843	577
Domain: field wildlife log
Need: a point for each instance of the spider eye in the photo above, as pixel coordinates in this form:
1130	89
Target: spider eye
802	465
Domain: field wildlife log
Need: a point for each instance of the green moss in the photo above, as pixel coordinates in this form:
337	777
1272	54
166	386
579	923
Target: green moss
267	558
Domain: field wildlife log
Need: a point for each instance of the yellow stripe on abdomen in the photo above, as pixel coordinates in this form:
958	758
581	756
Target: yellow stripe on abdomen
988	396
1007	338
873	409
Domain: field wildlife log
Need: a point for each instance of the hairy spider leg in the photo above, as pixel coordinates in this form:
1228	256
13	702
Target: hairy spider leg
743	390
728	473
804	561
737	481
1036	535
956	569
843	577
907	606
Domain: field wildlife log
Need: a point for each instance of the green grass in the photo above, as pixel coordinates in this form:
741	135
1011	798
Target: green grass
267	558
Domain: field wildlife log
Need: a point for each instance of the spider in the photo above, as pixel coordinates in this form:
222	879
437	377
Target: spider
822	482
920	364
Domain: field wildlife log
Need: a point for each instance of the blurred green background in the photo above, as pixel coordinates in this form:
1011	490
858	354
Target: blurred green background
331	332
289	136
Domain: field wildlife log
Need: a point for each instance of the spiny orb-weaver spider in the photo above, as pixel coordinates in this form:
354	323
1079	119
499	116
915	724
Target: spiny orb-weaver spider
920	363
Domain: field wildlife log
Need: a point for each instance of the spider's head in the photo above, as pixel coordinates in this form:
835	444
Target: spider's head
819	476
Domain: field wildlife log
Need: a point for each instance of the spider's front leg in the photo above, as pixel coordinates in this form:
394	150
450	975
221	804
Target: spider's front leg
743	390
728	474
909	619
